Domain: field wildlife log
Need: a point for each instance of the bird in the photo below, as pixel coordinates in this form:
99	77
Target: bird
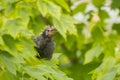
45	46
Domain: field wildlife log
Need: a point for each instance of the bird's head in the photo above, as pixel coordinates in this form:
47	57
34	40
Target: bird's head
49	31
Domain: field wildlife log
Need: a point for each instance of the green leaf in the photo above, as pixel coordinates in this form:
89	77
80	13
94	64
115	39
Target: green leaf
115	4
68	22
13	27
116	27
10	10
70	42
10	1
45	72
109	48
109	76
23	13
10	43
53	9
35	73
118	67
95	30
98	3
42	7
36	24
80	8
64	4
25	46
93	53
1	42
56	73
59	26
8	59
48	7
103	15
24	10
1	22
4	75
64	24
106	70
1	7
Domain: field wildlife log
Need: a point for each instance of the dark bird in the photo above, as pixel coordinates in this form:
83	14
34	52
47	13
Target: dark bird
44	43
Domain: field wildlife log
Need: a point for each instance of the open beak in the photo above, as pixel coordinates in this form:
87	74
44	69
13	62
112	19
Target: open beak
52	31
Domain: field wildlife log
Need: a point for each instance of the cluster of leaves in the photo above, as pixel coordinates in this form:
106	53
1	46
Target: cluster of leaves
90	47
20	21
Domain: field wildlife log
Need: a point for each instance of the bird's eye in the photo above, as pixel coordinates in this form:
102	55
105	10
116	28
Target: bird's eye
48	30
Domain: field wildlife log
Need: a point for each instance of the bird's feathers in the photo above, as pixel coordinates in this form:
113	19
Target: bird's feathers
45	45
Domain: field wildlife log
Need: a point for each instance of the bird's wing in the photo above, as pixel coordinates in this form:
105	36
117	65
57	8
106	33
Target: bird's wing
40	42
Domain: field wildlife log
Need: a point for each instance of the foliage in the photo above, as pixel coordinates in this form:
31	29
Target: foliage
86	49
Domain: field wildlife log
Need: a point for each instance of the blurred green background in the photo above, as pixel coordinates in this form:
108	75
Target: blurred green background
87	39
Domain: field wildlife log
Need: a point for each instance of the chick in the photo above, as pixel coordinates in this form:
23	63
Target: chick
44	43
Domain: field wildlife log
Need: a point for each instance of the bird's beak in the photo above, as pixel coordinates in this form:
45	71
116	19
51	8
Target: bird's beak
52	31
